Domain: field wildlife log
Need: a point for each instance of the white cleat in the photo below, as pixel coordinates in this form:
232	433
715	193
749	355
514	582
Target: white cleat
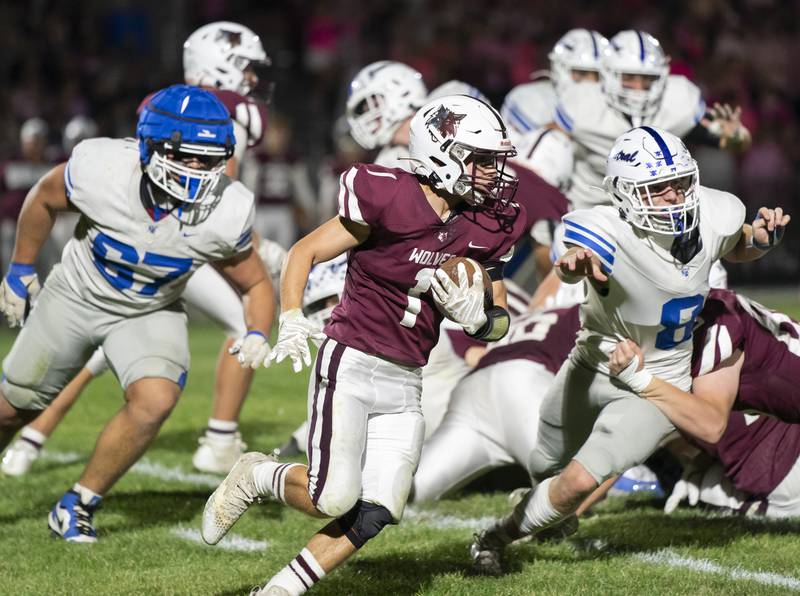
217	456
19	458
232	498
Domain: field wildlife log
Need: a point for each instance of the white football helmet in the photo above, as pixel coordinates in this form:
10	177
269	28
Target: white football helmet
578	49
644	163
382	96
324	289
78	129
218	54
460	144
634	52
548	152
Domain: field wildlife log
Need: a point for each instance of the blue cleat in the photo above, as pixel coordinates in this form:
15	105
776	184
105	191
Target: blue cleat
71	519
639	480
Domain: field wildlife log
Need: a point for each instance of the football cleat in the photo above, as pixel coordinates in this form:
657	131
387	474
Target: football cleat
639	480
231	498
19	458
486	553
217	456
71	519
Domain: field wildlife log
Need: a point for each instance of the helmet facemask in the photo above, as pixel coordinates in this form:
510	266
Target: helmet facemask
368	123
637	103
668	220
484	181
168	170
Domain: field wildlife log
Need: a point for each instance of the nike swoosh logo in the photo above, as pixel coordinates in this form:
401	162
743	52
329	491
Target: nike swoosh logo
475	245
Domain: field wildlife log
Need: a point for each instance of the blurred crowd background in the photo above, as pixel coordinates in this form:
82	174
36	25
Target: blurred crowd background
99	58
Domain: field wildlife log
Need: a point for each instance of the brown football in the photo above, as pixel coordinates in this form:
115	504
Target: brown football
450	267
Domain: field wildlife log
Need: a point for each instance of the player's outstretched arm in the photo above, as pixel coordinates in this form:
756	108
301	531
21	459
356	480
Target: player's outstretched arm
247	274
43	202
725	123
761	236
704	412
329	240
577	263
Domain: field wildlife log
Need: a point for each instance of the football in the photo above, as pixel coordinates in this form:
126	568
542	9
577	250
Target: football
450	266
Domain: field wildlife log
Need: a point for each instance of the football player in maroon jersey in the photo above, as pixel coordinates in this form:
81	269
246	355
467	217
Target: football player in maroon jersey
364	396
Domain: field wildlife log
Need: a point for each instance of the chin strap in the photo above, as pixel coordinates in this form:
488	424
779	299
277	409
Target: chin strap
496	326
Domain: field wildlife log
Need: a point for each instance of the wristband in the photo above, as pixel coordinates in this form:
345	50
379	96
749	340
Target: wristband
20	269
496	326
254	332
636	380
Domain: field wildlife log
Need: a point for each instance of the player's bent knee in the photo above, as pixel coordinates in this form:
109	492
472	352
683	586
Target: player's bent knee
153	399
577	480
338	504
364	521
25	399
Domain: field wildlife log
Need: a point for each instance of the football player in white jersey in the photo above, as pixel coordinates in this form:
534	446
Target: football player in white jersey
635	89
224	58
574	59
647	260
153	209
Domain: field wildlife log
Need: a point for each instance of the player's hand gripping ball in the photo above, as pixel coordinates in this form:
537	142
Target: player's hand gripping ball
460	292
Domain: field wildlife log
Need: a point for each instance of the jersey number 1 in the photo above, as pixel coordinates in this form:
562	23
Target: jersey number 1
120	276
411	311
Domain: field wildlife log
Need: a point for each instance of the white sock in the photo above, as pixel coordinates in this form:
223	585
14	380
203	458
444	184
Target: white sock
222	429
270	479
536	511
299	575
33	436
86	494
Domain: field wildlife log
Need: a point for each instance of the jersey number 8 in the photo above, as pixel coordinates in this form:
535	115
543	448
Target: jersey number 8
677	317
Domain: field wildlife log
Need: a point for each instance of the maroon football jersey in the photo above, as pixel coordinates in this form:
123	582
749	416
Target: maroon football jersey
387	308
542	201
246	111
770	377
757	452
545	337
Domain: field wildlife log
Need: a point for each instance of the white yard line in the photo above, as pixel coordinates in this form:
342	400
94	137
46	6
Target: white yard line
175	474
230	542
436	520
62	457
672	559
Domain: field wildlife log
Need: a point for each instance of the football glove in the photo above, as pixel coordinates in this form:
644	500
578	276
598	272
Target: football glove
687	488
17	293
461	303
252	350
293	335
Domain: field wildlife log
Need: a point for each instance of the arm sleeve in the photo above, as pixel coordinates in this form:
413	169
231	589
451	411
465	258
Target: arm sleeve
582	228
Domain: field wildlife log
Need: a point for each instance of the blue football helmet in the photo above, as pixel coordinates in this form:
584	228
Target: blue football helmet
181	124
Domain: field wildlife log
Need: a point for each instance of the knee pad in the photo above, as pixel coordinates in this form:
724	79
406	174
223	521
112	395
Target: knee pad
364	521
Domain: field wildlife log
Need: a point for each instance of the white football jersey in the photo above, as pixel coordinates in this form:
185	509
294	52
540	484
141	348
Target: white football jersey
528	107
651	298
394	156
594	125
120	259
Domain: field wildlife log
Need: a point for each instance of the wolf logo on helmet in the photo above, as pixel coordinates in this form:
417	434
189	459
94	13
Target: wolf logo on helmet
445	121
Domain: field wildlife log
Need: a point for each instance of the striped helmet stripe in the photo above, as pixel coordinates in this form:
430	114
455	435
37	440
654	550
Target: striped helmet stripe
661	144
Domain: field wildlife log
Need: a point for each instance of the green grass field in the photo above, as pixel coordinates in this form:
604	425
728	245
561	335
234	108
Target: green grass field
149	524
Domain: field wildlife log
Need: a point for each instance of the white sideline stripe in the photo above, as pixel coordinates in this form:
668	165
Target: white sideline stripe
435	520
162	472
673	559
230	542
61	457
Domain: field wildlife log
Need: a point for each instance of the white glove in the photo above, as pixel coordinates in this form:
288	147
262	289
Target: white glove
17	293
688	487
252	350
462	303
293	335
